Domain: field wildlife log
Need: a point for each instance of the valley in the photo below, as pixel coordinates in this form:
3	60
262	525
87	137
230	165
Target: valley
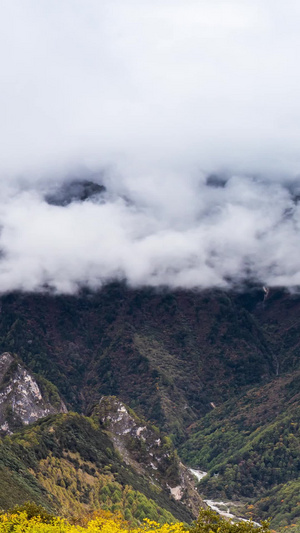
216	375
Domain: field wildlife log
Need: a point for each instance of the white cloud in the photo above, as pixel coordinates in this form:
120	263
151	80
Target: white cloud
185	234
161	93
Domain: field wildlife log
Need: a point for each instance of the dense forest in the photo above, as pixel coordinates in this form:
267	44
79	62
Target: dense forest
217	373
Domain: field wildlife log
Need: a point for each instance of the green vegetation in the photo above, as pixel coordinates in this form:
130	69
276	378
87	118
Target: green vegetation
68	464
35	520
251	449
168	356
171	358
49	391
210	522
32	519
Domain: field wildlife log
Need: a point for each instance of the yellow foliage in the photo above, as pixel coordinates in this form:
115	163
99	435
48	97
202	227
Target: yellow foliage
101	521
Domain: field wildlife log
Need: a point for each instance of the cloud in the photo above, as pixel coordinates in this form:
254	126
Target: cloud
184	234
169	84
158	95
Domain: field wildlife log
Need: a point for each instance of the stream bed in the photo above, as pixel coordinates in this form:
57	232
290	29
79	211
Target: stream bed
222	508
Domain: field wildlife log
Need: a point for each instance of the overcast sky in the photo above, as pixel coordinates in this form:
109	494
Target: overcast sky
150	97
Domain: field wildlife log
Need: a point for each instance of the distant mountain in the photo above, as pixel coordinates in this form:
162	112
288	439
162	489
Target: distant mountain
74	191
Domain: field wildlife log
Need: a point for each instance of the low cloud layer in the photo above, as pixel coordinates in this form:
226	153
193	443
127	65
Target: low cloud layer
187	112
193	233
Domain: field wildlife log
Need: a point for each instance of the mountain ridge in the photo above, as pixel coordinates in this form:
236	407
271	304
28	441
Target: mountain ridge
199	365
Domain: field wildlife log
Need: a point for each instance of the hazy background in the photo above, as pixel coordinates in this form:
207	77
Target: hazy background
150	98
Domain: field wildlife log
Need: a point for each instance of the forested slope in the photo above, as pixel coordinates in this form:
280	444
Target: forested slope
167	355
69	464
218	372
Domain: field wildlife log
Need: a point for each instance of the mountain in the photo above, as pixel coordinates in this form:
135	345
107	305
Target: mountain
217	372
72	465
168	356
144	448
251	448
75	191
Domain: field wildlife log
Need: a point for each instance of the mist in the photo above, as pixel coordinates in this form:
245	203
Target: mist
185	114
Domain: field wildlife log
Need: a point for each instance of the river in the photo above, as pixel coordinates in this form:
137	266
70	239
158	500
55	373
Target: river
222	508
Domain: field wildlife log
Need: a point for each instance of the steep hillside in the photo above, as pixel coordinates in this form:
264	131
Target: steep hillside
280	319
71	464
169	356
149	452
217	372
251	449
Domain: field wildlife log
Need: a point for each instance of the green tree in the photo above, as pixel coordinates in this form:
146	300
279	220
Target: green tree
210	522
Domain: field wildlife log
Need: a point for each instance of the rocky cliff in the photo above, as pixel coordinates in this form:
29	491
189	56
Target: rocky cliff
148	451
22	399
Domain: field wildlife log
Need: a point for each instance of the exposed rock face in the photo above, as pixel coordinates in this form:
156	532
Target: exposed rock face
22	400
75	191
148	451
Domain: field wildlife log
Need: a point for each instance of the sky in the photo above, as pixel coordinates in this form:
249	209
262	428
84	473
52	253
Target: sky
152	99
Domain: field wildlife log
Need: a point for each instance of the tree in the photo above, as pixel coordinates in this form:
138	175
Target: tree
210	522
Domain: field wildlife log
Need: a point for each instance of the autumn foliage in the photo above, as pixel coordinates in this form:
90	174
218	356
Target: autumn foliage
31	519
